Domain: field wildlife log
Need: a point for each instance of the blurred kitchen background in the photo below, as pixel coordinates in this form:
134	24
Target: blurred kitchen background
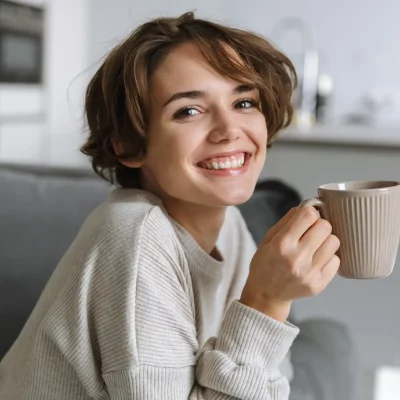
347	124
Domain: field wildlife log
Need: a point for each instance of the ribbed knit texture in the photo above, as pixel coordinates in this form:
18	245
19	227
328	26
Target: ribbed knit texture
137	310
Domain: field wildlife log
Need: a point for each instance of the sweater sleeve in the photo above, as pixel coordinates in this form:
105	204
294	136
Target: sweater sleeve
165	361
243	362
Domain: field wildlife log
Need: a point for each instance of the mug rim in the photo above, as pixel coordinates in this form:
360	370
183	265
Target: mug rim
333	187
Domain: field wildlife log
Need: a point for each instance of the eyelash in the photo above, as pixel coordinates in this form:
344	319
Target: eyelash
180	113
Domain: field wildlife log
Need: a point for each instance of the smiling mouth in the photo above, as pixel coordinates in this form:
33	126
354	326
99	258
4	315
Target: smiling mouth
235	161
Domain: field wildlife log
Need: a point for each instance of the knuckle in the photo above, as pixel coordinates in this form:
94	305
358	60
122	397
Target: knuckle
330	269
310	289
318	287
335	241
309	213
325	225
314	290
304	282
336	260
284	245
293	266
296	262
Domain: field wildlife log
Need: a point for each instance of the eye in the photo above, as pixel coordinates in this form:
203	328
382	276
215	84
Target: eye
186	113
247	103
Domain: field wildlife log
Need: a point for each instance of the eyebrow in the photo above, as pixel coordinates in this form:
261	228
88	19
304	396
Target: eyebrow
195	94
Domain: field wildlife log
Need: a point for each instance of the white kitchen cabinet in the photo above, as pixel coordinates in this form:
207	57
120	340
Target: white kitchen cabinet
43	124
21	100
23	142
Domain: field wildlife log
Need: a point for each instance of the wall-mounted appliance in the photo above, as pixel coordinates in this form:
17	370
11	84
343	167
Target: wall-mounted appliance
21	43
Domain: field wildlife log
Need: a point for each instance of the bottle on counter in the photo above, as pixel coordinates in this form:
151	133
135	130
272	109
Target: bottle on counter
323	106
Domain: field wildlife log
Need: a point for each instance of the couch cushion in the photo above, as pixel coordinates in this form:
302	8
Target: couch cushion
271	200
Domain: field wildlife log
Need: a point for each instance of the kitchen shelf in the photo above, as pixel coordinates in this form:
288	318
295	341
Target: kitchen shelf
376	136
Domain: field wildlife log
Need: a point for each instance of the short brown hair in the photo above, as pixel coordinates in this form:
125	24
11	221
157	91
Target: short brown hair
117	98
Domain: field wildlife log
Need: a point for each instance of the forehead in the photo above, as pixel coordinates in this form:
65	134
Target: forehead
185	68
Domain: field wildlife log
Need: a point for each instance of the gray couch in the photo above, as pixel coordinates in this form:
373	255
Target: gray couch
41	210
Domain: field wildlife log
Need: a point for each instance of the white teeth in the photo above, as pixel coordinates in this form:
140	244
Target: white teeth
233	163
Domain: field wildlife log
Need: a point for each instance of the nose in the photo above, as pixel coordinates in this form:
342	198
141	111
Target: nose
224	128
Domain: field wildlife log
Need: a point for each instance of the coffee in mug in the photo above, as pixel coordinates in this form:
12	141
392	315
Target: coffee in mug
365	216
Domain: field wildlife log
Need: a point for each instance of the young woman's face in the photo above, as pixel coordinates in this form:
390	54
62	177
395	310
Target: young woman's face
207	136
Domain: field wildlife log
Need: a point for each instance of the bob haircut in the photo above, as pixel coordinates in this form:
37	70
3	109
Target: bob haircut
117	97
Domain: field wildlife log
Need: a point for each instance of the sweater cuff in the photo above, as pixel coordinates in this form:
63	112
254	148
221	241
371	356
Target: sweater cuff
250	337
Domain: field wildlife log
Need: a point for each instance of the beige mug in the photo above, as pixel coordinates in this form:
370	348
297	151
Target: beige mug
365	216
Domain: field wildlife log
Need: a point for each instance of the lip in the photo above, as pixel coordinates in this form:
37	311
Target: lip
225	154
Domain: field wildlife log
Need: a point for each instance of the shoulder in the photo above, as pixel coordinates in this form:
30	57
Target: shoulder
128	208
128	244
127	239
125	273
130	229
129	215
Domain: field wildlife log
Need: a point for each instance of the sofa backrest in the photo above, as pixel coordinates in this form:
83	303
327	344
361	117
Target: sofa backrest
41	211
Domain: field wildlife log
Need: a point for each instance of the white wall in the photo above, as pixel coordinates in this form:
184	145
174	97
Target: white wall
66	65
357	39
22	118
111	21
22	122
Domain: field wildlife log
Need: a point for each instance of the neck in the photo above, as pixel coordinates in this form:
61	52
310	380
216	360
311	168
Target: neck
202	222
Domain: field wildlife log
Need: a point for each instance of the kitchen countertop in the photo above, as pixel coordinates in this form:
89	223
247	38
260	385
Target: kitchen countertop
374	136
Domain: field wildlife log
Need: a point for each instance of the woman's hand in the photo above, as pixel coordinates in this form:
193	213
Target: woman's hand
296	259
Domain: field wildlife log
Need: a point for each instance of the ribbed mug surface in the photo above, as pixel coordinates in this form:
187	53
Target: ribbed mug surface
365	216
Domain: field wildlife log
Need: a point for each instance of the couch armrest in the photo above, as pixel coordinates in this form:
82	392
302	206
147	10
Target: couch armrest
323	358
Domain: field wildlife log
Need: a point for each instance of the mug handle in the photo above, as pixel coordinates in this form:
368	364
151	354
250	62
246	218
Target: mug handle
313	202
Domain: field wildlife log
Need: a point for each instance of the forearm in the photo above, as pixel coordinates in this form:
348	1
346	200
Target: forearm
243	362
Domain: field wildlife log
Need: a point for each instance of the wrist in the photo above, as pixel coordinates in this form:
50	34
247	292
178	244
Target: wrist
278	310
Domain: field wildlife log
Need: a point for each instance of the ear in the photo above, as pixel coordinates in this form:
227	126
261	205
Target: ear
136	163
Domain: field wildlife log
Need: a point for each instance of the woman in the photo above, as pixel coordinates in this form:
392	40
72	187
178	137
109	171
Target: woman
163	294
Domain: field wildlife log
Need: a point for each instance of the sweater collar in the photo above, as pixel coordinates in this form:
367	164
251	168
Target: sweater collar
196	254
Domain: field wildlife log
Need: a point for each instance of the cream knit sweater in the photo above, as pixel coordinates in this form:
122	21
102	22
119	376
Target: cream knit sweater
137	310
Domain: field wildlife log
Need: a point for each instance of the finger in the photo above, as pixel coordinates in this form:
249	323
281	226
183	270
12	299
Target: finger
298	225
279	225
329	270
316	236
326	251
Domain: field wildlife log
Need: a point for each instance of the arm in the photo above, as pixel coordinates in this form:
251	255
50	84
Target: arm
242	363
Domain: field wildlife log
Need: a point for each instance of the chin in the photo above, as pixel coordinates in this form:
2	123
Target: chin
232	199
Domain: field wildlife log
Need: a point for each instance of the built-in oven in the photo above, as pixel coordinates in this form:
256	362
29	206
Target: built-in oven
21	43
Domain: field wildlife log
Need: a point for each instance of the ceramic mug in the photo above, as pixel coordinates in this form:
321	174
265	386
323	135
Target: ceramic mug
365	216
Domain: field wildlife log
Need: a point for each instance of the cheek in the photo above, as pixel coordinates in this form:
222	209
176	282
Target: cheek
171	150
262	137
259	132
